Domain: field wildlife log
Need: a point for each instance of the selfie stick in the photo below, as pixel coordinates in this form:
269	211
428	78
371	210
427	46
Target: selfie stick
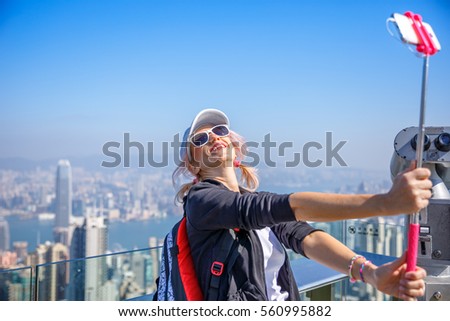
427	47
414	226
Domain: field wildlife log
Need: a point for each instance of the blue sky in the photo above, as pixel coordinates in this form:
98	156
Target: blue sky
77	74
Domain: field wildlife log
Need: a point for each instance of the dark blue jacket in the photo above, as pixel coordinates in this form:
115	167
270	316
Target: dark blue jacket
212	208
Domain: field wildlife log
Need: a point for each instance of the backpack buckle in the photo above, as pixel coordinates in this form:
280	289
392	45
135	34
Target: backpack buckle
217	268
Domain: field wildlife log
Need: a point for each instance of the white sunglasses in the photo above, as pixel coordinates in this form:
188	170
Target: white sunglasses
201	138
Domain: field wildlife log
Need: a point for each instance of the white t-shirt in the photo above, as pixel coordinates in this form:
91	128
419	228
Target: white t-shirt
274	257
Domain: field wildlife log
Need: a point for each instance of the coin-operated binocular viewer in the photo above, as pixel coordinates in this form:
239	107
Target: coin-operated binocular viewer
434	236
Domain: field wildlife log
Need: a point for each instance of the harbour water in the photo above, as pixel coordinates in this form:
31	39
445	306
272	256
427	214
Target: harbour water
122	235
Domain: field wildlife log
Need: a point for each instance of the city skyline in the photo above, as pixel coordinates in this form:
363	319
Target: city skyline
133	195
80	239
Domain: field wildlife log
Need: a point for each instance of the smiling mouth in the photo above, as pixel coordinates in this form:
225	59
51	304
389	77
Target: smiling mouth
218	146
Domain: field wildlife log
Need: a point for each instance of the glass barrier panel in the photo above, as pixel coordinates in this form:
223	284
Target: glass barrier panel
329	292
375	237
131	275
336	229
15	284
111	277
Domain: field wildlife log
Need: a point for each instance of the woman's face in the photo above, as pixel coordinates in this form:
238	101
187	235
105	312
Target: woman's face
217	152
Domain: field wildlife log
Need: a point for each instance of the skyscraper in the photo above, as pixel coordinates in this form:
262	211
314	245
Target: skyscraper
63	205
4	235
63	201
21	248
89	239
53	277
155	256
77	267
96	268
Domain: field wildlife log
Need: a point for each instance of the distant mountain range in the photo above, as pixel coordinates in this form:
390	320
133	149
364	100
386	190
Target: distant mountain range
23	164
334	176
90	163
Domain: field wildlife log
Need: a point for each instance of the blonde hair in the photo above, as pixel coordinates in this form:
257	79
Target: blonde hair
248	178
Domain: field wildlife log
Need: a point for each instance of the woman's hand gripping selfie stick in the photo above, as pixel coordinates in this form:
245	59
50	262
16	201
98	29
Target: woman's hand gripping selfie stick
427	44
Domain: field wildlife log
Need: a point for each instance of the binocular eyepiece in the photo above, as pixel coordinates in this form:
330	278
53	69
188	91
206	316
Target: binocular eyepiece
441	142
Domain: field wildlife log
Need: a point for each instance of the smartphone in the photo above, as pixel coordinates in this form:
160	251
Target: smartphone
432	35
405	28
408	34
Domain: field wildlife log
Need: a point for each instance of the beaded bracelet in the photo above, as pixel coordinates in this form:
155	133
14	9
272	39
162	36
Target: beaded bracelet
350	267
361	269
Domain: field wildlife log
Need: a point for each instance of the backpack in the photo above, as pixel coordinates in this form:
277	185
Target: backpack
177	279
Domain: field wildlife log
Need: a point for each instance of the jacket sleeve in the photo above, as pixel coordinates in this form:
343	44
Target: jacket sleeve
213	207
291	234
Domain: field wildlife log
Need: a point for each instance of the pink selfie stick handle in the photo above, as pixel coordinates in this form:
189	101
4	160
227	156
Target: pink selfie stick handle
413	243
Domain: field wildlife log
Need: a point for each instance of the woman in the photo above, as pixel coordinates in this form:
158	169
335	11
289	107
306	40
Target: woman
264	222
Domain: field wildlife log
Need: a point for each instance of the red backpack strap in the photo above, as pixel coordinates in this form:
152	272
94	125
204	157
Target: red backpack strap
186	266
